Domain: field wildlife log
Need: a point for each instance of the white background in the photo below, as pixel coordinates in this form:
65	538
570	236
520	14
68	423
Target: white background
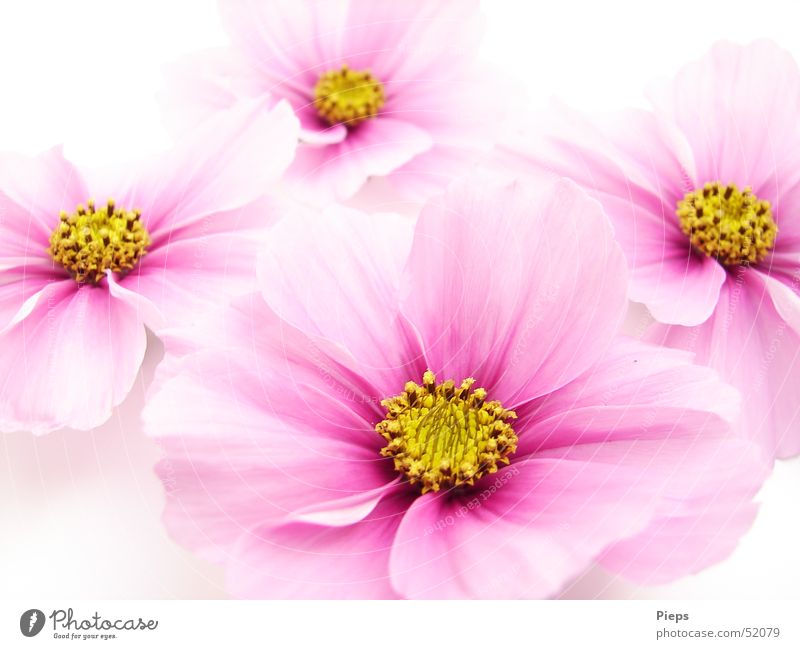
79	512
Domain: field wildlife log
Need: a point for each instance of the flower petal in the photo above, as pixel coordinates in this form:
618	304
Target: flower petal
302	560
224	164
40	187
636	391
261	424
754	349
680	288
630	163
737	107
523	533
344	287
17	289
376	148
205	264
520	287
70	361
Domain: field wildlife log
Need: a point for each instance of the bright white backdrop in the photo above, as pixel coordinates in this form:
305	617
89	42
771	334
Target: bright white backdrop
79	512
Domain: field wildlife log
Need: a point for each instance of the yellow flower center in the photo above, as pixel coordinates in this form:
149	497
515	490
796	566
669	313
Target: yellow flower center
441	435
91	241
348	96
735	227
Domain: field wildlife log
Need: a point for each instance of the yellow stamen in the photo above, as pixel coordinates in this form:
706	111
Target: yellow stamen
90	241
734	227
348	96
441	435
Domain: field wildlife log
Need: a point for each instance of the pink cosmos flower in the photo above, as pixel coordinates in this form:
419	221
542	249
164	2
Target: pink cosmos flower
381	88
704	193
80	280
445	410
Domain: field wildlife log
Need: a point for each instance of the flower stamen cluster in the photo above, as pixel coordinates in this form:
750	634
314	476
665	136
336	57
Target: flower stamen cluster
348	96
92	240
441	435
732	226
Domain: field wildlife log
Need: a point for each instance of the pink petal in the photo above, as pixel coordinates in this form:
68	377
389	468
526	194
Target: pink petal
375	148
263	424
205	264
23	239
70	361
39	189
145	310
343	511
301	560
521	533
691	483
680	546
280	38
754	349
519	287
344	287
785	294
626	157
737	109
422	35
630	163
680	288
292	44
783	193
636	391
226	163
18	286
429	173
322	136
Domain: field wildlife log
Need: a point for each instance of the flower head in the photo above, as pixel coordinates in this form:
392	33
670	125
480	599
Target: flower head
705	196
381	88
445	410
86	263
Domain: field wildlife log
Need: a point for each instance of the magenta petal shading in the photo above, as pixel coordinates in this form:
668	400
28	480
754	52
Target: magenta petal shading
497	280
633	383
70	361
283	415
352	263
542	526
